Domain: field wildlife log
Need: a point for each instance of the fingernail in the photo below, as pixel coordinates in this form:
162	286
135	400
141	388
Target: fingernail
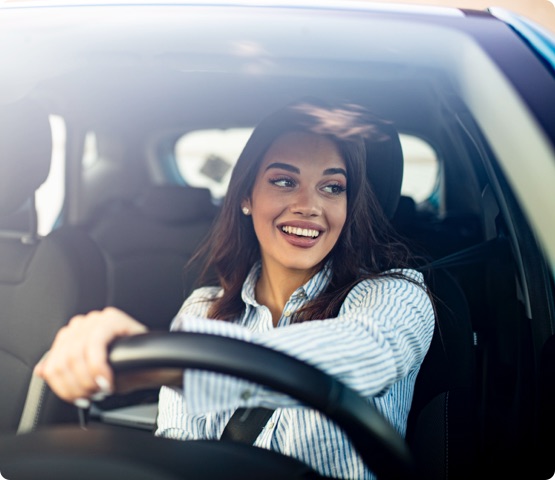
103	385
82	403
98	396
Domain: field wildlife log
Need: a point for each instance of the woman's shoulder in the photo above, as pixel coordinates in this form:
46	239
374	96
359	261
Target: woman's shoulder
394	275
207	292
196	305
404	274
200	300
399	279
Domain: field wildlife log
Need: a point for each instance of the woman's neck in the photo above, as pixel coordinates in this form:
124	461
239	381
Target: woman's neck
275	287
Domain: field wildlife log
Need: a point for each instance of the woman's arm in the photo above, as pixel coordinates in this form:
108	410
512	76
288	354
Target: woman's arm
381	334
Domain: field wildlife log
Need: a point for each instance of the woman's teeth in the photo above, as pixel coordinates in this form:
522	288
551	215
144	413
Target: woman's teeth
301	232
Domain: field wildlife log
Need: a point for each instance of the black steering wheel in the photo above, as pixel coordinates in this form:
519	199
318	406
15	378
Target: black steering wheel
379	445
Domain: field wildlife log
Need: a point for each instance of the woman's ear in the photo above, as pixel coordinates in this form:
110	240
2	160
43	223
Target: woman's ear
246	206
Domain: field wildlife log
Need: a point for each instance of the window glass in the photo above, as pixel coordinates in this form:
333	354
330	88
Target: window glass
205	158
50	196
420	169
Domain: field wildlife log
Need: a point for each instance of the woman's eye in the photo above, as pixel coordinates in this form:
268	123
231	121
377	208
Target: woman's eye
335	189
282	182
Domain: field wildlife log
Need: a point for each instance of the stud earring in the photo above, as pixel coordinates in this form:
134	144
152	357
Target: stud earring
246	210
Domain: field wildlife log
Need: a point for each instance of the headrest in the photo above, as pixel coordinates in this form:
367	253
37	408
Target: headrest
25	153
177	204
384	167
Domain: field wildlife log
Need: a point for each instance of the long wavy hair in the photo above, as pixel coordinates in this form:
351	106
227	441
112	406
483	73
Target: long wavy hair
367	245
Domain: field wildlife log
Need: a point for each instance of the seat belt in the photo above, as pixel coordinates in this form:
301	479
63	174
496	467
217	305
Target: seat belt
474	254
33	403
245	424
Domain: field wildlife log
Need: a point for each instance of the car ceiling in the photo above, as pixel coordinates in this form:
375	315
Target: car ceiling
138	100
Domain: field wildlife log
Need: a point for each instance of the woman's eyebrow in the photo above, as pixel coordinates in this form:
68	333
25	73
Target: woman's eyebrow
334	171
283	166
293	169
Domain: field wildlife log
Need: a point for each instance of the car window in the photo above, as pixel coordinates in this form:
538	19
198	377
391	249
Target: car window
50	196
421	168
205	158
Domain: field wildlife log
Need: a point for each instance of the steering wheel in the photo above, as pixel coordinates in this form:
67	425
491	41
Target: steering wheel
380	446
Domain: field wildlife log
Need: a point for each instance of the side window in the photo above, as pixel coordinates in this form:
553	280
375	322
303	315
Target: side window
50	196
421	168
205	158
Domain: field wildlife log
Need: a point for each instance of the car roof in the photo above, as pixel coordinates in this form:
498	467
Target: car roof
320	4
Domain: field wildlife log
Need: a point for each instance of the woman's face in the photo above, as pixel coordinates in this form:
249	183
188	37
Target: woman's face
299	201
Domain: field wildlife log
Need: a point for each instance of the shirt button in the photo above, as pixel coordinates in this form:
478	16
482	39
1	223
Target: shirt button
246	394
287	313
301	295
270	425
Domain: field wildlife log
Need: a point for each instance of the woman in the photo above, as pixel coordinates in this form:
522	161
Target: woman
306	264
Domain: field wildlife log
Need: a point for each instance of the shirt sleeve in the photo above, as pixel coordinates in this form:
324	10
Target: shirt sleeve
382	333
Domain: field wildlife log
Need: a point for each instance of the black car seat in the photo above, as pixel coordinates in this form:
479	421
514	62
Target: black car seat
147	241
441	424
43	281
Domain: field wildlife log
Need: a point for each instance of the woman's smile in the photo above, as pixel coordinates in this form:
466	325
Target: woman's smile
301	234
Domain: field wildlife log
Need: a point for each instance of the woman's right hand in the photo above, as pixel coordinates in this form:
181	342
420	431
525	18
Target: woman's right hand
76	367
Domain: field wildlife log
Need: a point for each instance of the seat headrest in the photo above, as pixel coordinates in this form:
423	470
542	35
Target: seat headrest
177	204
384	167
25	153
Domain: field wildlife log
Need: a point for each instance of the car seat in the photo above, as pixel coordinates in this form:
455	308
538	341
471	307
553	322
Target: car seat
147	241
441	422
43	281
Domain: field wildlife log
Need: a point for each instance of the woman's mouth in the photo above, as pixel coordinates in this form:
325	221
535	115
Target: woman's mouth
301	235
300	232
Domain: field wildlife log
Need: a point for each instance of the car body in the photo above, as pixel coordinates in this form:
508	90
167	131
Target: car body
145	100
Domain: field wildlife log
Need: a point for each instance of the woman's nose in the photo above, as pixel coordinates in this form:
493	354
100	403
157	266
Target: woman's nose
306	203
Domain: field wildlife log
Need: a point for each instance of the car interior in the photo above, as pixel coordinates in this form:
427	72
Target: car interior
129	223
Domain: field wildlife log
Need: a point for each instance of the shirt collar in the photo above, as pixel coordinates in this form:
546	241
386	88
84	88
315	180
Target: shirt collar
310	290
248	293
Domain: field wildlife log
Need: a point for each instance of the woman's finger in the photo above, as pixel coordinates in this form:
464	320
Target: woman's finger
77	365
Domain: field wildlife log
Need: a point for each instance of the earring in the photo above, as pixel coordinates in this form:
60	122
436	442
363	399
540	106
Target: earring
246	210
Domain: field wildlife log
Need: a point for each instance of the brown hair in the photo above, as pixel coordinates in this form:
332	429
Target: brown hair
367	245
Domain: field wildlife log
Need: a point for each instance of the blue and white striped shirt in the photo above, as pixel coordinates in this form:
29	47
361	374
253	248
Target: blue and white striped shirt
375	346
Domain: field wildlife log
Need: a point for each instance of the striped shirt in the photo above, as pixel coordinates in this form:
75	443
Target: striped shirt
375	346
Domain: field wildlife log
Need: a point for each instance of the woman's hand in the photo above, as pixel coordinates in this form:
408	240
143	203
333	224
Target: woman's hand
76	367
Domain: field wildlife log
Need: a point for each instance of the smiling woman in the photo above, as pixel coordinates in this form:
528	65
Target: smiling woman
306	264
